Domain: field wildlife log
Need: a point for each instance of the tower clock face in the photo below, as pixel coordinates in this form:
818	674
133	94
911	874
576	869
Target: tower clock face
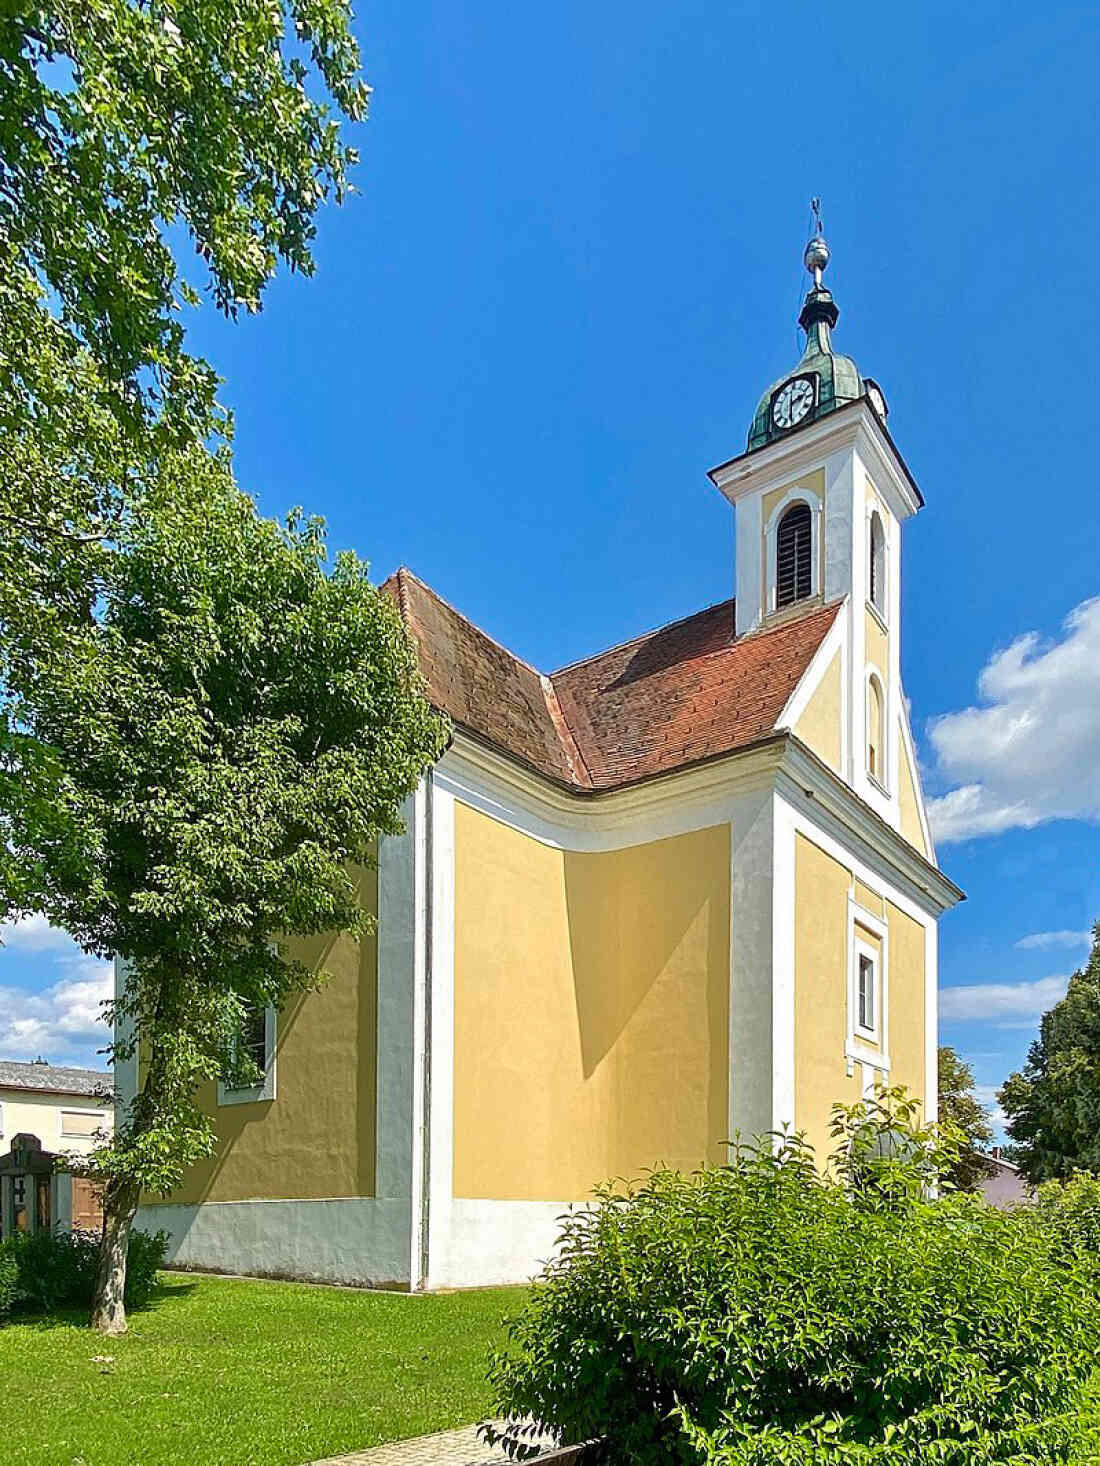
793	402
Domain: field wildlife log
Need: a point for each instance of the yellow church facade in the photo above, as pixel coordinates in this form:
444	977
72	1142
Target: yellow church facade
680	891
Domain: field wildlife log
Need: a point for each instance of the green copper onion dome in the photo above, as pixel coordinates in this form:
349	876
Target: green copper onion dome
823	380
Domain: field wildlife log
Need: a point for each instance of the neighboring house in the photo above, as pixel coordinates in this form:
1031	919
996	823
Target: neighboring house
63	1107
1005	1186
681	889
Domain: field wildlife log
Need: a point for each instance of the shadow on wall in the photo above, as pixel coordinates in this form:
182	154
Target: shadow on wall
649	945
325	1064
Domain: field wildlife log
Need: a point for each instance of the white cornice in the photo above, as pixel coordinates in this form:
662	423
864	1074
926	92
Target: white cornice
689	799
855	425
823	796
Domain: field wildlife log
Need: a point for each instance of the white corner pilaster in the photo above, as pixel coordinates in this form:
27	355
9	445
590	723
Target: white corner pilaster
931	1021
752	844
840	480
440	1169
749	603
783	968
402	1017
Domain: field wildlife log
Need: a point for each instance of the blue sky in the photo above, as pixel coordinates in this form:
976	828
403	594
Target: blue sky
573	265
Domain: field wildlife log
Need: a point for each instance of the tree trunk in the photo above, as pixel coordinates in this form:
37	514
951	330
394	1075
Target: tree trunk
108	1309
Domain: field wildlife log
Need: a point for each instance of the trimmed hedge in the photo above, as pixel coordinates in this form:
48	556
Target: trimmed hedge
43	1271
758	1314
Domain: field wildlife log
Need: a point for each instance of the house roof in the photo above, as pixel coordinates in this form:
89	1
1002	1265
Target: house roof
53	1079
686	692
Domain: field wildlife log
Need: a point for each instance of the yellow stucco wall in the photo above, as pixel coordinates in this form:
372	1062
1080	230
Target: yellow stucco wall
317	1138
821	993
591	1010
907	1010
878	646
908	800
822	886
870	900
820	725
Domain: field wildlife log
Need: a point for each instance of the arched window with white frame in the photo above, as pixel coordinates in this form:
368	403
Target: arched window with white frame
794	555
792	550
876	564
876	730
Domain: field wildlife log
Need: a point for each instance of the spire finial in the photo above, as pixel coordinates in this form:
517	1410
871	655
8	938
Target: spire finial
816	255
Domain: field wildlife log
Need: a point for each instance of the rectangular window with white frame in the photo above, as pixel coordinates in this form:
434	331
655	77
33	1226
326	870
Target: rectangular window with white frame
255	1043
867	1040
866	995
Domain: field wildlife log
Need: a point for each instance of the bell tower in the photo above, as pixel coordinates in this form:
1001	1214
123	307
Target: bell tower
819	497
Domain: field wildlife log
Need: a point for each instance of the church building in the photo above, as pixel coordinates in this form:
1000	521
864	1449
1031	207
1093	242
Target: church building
680	890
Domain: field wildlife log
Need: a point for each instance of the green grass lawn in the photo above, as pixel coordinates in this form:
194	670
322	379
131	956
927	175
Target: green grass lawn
225	1372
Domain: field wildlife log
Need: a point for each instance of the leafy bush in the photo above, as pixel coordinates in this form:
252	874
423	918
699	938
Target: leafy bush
1070	1210
759	1314
54	1269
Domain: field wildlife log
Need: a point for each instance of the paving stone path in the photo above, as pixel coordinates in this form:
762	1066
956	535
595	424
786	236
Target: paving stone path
444	1448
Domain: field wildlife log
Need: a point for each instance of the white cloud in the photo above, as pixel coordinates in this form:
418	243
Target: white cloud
35	934
1055	939
1030	752
64	1022
1008	1004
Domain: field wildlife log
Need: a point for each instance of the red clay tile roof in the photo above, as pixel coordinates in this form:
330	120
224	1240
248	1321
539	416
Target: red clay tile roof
686	692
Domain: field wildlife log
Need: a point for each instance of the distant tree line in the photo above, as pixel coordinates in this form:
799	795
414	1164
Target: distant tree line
1053	1103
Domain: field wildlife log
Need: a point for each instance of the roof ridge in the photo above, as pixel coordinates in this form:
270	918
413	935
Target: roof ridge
572	749
38	1064
618	646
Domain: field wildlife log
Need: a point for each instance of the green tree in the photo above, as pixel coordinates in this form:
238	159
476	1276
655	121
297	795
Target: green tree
194	779
1053	1104
959	1105
125	126
199	727
123	119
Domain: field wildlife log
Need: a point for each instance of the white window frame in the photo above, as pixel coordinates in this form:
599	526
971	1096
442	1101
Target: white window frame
866	957
880	781
266	1089
868	1046
771	546
881	612
64	1110
1	1120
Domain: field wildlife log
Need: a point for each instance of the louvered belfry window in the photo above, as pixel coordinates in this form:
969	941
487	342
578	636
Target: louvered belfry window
792	556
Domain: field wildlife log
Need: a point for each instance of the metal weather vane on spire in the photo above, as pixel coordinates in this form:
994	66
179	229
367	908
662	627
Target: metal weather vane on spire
816	255
824	379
